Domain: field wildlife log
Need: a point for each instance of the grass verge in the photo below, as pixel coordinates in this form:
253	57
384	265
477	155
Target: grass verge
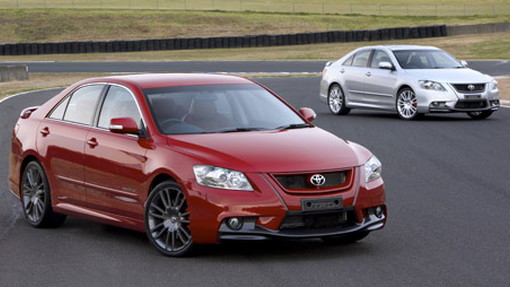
61	25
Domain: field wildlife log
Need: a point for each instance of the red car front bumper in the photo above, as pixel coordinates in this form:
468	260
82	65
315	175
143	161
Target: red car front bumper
271	211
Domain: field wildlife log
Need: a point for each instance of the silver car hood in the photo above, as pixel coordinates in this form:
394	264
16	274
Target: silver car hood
458	76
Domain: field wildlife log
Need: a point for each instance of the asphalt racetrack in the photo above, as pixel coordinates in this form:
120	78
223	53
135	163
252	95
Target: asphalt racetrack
448	193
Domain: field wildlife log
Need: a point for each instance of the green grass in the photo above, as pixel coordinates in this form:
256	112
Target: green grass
59	25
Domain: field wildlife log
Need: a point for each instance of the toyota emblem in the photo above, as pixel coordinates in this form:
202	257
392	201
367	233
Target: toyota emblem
471	87
317	180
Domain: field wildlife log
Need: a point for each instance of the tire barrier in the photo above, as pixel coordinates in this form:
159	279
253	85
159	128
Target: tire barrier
224	42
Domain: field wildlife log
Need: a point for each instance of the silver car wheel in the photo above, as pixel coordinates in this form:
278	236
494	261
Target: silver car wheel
336	101
407	104
167	220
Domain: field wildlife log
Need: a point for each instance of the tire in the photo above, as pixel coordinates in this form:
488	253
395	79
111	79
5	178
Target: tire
407	104
336	100
479	115
167	220
36	198
346	239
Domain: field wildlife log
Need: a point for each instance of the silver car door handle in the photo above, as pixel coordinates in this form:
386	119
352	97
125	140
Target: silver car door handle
368	74
342	71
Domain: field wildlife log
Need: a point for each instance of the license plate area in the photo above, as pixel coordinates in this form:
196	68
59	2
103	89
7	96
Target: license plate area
317	220
472	97
320	204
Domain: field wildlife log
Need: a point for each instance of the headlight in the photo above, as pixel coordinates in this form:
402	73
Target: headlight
431	85
493	85
373	168
223	178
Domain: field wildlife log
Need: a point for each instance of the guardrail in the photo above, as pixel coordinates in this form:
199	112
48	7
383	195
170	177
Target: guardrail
385	9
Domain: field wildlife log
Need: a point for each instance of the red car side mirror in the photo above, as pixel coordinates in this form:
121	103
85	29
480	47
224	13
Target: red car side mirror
124	126
308	114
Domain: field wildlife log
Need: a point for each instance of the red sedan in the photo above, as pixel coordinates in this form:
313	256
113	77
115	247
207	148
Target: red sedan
191	159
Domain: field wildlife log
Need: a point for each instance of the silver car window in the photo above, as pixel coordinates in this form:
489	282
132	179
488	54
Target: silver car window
379	56
361	58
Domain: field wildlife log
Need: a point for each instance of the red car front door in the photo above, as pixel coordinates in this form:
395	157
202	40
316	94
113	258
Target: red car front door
114	163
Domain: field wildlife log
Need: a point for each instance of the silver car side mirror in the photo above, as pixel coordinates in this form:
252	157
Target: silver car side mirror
386	66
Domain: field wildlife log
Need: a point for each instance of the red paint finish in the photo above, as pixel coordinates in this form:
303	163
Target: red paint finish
107	176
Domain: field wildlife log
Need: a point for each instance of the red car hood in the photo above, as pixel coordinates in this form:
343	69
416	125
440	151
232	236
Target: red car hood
303	149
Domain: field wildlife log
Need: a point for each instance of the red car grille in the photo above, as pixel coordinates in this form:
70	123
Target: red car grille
302	183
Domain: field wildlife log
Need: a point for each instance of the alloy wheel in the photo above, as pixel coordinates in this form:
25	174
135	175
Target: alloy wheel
336	101
407	104
167	220
34	194
36	199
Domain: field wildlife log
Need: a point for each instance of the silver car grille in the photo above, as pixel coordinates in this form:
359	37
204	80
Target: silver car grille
478	104
469	88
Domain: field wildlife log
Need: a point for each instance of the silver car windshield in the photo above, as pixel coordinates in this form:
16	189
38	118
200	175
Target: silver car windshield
426	59
219	109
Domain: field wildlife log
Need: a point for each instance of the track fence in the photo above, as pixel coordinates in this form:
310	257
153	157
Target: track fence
385	9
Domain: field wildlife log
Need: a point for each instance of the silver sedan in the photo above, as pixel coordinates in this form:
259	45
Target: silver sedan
411	80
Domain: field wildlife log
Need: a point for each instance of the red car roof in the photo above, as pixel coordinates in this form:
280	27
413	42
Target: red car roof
146	81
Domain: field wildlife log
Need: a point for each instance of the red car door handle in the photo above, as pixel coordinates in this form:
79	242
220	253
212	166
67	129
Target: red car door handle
92	142
45	131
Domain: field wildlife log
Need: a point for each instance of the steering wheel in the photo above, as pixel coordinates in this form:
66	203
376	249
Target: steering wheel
165	124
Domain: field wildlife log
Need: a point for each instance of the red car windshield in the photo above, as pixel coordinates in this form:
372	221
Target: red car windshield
219	108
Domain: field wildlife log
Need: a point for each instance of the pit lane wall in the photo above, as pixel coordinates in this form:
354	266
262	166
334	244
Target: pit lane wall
13	73
250	40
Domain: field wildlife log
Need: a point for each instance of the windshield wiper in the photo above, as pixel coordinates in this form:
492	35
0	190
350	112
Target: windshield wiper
294	126
233	130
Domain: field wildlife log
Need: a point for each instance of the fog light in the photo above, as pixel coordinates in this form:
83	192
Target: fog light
235	223
438	104
378	211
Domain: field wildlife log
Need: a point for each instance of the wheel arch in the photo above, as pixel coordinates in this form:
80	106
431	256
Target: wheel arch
335	83
403	86
28	159
161	177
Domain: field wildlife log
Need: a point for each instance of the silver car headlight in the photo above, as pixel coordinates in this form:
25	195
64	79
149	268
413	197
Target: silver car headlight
217	177
493	85
373	169
431	85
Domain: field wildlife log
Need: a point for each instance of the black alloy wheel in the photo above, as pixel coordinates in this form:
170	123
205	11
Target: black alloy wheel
36	198
167	220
